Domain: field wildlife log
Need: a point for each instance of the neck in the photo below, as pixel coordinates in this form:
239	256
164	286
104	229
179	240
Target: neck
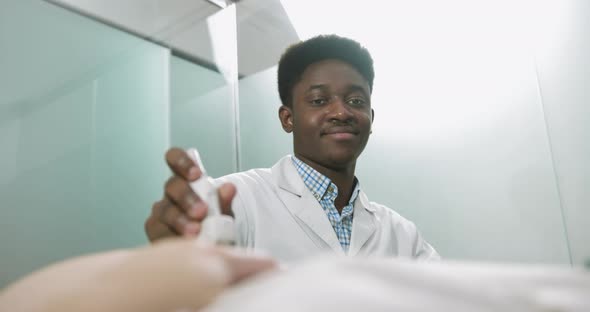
343	177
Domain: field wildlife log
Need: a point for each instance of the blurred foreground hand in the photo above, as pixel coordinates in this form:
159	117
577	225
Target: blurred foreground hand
170	275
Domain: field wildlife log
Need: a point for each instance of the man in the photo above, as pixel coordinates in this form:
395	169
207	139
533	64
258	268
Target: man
310	202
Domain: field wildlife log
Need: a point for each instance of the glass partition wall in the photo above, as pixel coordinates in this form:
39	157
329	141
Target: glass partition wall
87	112
203	100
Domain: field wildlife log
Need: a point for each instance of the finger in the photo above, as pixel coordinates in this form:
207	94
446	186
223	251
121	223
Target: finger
177	221
226	192
179	192
154	228
182	165
158	230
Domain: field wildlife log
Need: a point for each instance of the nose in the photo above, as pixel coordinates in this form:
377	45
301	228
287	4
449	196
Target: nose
338	110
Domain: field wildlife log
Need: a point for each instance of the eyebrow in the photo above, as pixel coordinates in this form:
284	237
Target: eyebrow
316	87
349	88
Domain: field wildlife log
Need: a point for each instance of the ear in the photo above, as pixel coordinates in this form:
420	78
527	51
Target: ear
372	119
286	117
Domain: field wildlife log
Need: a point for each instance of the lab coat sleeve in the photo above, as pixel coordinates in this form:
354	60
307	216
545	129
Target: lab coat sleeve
409	240
242	220
423	251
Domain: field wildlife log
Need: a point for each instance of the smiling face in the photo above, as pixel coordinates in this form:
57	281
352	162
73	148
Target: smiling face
330	115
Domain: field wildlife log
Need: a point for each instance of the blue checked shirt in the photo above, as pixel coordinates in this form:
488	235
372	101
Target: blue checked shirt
326	192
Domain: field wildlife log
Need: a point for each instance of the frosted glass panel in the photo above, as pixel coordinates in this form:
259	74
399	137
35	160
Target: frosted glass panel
564	77
49	187
131	136
263	140
202	115
204	101
83	129
46	49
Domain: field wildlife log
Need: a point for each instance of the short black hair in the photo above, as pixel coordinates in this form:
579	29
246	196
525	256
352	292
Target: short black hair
299	56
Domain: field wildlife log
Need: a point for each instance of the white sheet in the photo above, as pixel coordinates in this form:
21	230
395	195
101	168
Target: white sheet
353	284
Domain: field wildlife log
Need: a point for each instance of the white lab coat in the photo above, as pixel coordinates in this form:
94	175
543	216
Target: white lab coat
275	212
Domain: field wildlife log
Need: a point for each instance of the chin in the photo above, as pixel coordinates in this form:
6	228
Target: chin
342	159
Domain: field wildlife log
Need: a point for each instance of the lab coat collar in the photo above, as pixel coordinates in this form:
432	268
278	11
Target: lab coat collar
300	201
289	180
363	201
287	176
303	205
364	224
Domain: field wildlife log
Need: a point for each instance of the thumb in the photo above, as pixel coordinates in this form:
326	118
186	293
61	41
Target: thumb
226	193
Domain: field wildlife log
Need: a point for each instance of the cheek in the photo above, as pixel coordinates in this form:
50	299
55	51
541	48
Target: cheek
365	119
307	123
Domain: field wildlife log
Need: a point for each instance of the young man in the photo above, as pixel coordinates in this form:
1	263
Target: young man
310	202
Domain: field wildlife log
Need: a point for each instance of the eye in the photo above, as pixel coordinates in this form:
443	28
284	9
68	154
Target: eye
319	101
356	102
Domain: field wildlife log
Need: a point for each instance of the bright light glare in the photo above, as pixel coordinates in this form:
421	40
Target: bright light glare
223	36
443	68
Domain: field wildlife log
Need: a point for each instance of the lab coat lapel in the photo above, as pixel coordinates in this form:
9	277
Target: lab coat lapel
364	224
302	204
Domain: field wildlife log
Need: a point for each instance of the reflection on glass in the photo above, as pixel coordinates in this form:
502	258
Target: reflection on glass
203	101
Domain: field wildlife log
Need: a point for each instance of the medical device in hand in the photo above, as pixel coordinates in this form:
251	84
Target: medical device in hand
216	228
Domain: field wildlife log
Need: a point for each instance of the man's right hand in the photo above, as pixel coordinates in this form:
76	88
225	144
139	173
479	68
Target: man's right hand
181	211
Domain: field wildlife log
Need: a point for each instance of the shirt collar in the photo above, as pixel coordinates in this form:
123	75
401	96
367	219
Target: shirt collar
320	185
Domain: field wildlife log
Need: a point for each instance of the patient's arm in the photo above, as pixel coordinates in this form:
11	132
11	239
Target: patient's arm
166	276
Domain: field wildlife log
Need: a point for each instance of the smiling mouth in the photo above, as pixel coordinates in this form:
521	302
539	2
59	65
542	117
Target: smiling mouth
341	135
340	132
